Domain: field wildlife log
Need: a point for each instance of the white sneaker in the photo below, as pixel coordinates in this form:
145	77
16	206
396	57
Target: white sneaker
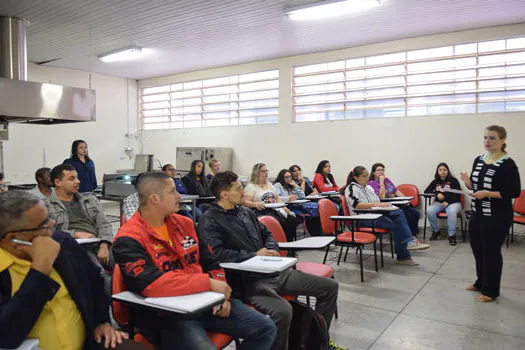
407	262
416	245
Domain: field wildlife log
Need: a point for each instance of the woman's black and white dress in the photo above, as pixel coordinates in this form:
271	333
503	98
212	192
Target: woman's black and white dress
492	218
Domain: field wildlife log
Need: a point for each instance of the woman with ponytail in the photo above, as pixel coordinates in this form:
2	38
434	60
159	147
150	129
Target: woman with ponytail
360	195
495	180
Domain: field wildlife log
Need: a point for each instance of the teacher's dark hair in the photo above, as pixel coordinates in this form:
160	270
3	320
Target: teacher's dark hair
449	174
74	148
502	133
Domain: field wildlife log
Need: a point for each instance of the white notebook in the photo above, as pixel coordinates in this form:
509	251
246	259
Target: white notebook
392	208
275	205
262	264
87	240
188	303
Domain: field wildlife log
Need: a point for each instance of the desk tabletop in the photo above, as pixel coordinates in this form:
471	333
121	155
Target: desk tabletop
357	217
307	243
262	264
427	195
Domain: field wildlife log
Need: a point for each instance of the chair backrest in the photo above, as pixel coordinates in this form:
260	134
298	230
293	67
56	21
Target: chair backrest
326	209
344	203
120	310
276	229
410	190
519	203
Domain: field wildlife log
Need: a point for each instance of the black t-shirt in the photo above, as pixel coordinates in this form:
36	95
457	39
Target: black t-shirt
503	176
438	186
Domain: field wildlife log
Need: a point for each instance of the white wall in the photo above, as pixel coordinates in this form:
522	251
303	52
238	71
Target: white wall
24	152
411	147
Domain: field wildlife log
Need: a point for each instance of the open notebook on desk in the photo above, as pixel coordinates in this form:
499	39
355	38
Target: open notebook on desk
262	264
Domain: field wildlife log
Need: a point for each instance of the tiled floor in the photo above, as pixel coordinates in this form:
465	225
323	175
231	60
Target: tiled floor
426	307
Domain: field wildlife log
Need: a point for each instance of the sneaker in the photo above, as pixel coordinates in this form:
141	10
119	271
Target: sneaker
452	240
407	262
333	346
416	245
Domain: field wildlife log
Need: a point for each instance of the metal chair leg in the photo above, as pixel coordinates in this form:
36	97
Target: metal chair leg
381	249
336	313
361	262
392	244
339	257
375	256
346	253
326	254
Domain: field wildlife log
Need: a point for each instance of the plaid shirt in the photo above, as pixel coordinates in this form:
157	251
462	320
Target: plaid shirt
131	205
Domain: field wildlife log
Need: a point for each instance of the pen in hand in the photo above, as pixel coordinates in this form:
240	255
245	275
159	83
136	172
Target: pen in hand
22	242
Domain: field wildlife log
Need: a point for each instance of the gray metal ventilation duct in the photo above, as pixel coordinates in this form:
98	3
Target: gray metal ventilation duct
32	102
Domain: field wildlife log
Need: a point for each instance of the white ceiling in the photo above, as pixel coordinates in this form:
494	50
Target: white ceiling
187	35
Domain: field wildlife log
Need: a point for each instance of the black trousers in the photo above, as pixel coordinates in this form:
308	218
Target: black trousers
487	235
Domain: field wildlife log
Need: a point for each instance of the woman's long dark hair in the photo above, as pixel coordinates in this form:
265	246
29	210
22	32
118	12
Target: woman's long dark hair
74	148
319	170
280	179
355	172
449	175
374	167
193	171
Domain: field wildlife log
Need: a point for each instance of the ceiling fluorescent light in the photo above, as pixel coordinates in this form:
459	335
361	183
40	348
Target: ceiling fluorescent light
125	54
326	9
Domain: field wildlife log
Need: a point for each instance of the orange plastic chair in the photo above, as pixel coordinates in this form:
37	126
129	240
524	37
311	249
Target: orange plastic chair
410	190
121	315
374	230
443	215
312	268
352	239
519	208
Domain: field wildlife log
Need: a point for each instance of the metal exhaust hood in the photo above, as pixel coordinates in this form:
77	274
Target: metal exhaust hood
24	101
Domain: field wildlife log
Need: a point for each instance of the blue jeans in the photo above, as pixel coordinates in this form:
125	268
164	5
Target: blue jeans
452	211
396	222
412	216
256	329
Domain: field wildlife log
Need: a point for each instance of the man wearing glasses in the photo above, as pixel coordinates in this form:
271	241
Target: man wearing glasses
49	289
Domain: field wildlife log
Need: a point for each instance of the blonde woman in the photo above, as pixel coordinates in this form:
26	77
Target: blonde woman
260	192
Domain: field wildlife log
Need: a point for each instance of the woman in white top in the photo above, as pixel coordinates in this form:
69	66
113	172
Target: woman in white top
360	195
260	192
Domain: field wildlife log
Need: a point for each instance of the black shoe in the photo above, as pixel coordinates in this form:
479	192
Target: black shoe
435	235
452	240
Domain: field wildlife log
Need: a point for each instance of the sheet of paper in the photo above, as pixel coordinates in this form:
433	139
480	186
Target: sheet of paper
87	240
275	205
188	303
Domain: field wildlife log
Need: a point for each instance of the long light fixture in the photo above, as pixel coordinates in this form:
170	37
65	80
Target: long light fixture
124	54
330	8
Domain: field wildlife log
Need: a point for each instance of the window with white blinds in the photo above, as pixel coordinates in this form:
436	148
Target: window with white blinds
468	78
233	100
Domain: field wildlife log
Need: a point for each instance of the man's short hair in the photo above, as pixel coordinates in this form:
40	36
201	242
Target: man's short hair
149	183
58	172
222	181
13	205
41	172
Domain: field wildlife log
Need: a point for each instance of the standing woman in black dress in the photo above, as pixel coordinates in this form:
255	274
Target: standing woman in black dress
495	180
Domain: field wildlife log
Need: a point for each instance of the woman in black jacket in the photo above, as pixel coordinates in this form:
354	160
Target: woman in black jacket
445	201
195	181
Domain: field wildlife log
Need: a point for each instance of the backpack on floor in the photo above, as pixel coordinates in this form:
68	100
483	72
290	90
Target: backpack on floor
308	330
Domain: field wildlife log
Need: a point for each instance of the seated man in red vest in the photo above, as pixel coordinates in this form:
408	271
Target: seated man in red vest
160	255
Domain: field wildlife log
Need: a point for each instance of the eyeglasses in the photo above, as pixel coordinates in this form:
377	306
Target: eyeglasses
171	169
45	227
